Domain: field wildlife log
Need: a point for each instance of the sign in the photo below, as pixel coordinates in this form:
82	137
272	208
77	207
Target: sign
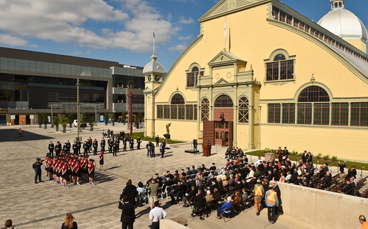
31	116
12	116
49	118
101	118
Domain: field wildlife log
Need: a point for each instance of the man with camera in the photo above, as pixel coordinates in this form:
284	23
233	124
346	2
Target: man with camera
37	168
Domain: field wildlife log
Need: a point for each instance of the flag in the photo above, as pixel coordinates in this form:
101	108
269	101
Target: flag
154	35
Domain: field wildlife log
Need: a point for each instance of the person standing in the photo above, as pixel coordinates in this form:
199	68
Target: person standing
20	133
69	222
95	146
162	149
51	148
362	221
272	202
157	141
75	148
195	144
124	144
153	187
57	148
112	135
138	142
276	188
91	172
131	143
101	157
148	147
103	143
258	195
111	144
37	169
128	214
115	149
79	145
85	148
156	214
130	192
67	146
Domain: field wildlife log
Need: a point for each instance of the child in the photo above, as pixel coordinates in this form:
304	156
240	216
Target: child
91	171
101	161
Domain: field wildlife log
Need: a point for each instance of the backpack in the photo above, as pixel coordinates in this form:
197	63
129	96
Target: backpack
34	165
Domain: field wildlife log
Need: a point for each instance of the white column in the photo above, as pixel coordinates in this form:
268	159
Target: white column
251	118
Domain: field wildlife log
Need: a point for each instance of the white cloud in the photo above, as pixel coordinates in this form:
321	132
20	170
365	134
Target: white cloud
33	45
186	21
7	39
63	22
178	47
182	38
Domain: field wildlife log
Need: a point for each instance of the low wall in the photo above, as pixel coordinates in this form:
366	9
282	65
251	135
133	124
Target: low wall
169	224
321	208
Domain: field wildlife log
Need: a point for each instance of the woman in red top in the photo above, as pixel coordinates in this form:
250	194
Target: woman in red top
91	171
77	168
101	161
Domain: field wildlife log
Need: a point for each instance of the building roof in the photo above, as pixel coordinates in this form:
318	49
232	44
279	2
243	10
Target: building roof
343	23
153	66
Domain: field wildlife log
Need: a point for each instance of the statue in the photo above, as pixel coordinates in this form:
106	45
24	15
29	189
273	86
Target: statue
168	128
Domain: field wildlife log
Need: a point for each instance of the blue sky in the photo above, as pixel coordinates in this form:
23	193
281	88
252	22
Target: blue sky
121	30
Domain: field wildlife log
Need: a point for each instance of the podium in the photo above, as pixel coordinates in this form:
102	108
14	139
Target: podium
206	150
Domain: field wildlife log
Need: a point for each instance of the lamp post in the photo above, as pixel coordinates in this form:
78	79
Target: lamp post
130	111
52	117
78	109
96	113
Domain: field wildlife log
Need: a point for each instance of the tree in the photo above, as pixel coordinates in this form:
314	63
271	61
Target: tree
140	117
106	117
84	120
91	120
113	118
64	119
70	119
124	117
56	122
45	119
136	121
39	118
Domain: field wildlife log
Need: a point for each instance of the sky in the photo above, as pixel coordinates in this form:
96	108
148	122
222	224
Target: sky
122	30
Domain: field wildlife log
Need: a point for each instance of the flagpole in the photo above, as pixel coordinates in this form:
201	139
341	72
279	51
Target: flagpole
225	36
153	43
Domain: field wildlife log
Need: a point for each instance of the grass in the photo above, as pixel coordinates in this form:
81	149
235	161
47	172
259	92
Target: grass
294	158
145	138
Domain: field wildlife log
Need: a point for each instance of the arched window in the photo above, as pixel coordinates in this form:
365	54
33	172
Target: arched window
192	77
224	101
177	107
243	110
205	109
314	100
280	68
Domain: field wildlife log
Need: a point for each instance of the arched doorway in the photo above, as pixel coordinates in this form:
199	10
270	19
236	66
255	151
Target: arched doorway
224	118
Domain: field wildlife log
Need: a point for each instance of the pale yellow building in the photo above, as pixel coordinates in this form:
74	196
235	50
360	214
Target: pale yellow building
261	75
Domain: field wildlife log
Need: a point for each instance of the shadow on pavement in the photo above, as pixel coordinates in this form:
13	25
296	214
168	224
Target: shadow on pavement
11	135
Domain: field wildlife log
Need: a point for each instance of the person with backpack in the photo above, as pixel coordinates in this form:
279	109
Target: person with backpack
37	168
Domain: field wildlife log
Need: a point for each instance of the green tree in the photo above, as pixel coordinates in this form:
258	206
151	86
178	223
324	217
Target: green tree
84	119
113	118
70	119
106	117
55	121
39	118
124	117
91	120
44	118
64	119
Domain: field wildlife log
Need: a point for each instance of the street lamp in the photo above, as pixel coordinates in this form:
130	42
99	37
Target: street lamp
78	109
52	117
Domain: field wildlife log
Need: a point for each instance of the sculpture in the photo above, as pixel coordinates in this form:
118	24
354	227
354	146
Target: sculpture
168	128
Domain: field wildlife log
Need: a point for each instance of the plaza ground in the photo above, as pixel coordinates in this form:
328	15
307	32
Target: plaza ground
45	205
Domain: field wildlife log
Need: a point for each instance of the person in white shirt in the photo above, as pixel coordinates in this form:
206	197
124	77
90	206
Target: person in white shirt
156	214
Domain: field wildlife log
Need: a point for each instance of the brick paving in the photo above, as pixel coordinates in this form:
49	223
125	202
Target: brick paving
45	205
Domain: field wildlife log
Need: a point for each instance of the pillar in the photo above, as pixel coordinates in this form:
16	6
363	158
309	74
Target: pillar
251	117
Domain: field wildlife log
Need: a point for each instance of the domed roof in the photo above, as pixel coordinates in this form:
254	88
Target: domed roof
343	23
154	66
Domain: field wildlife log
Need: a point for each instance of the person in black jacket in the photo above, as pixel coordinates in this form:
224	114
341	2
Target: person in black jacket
79	145
138	143
95	146
75	148
51	149
57	148
188	196
157	141
128	214
178	191
130	191
103	143
85	148
199	201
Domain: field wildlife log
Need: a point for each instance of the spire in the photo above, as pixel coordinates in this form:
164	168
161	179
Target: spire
337	4
154	36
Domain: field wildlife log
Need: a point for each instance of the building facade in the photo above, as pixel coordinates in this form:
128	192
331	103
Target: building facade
277	79
32	82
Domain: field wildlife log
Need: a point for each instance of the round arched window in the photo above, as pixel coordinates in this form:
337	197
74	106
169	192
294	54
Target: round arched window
224	101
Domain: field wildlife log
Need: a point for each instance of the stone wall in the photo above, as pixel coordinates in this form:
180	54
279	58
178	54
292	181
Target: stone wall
321	208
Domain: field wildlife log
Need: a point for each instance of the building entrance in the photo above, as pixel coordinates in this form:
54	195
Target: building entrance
222	133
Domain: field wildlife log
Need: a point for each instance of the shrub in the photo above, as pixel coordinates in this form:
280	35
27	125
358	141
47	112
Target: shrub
334	158
326	157
319	156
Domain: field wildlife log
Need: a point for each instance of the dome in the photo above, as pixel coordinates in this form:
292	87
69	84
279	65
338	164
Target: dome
343	23
153	66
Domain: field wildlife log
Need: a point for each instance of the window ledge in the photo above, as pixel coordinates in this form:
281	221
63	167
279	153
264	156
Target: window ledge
279	81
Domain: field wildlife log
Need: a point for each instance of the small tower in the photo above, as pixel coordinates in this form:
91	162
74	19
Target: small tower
153	72
337	4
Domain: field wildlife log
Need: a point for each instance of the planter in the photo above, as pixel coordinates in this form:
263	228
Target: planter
45	126
70	125
91	128
39	125
64	129
113	124
57	128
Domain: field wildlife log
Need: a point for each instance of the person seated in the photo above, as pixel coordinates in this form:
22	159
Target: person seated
228	153
239	186
225	207
191	182
209	200
213	186
244	194
237	201
141	193
216	195
199	202
189	196
213	167
178	192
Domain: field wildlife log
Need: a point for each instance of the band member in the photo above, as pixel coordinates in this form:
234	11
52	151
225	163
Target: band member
77	168
79	145
57	148
75	148
138	143
103	143
131	141
95	145
85	148
51	149
101	157
64	174
124	144
115	148
67	146
91	171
